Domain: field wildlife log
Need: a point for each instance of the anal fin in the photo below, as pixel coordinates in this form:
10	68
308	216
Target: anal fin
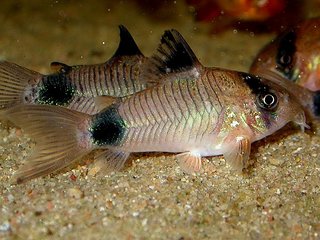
189	162
110	160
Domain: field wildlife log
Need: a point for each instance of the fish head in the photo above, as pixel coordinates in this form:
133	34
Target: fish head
273	107
294	54
279	56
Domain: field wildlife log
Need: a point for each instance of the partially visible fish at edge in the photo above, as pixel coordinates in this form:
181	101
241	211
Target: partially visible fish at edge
75	87
295	56
193	111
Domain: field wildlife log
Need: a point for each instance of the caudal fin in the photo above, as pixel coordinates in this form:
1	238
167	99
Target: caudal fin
14	82
61	136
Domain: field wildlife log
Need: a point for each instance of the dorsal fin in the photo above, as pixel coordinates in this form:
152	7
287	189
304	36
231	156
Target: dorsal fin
127	45
174	54
60	67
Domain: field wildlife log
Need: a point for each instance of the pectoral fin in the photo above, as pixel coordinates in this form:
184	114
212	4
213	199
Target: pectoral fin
238	153
189	162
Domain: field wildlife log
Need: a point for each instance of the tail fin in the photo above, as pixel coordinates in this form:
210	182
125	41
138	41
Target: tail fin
61	135
14	81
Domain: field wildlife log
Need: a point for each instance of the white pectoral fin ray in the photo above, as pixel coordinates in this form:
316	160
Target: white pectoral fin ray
238	154
189	162
110	160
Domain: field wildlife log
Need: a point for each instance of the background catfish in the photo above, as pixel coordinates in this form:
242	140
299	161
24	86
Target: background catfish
75	86
294	57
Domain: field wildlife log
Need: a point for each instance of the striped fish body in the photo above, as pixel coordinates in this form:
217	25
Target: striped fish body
200	115
76	87
177	116
118	78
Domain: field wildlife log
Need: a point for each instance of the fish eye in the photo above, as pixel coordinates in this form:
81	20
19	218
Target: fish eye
268	101
285	53
285	60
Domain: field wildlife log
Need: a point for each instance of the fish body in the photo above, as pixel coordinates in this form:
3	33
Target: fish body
193	111
197	114
295	56
75	86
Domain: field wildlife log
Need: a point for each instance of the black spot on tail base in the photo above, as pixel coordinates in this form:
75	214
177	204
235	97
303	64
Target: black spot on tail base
108	128
316	104
56	89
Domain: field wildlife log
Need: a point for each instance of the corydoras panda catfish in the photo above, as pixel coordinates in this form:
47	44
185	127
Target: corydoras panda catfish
193	111
295	56
75	86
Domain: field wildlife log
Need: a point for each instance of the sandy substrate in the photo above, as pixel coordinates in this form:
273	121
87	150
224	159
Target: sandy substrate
151	198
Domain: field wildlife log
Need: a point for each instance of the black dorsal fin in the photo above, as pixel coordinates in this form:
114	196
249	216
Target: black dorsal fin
60	67
174	54
127	45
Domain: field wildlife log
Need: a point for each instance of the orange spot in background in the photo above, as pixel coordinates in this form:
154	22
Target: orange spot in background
251	10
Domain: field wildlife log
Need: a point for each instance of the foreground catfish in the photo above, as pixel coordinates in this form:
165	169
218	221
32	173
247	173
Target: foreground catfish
192	110
75	87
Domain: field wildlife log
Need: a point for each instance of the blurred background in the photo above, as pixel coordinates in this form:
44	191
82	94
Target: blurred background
152	198
74	31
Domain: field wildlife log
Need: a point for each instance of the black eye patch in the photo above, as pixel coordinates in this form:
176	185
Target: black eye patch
285	54
265	97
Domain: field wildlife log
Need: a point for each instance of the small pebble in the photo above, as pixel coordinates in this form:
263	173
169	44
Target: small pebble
93	171
275	161
5	227
75	193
